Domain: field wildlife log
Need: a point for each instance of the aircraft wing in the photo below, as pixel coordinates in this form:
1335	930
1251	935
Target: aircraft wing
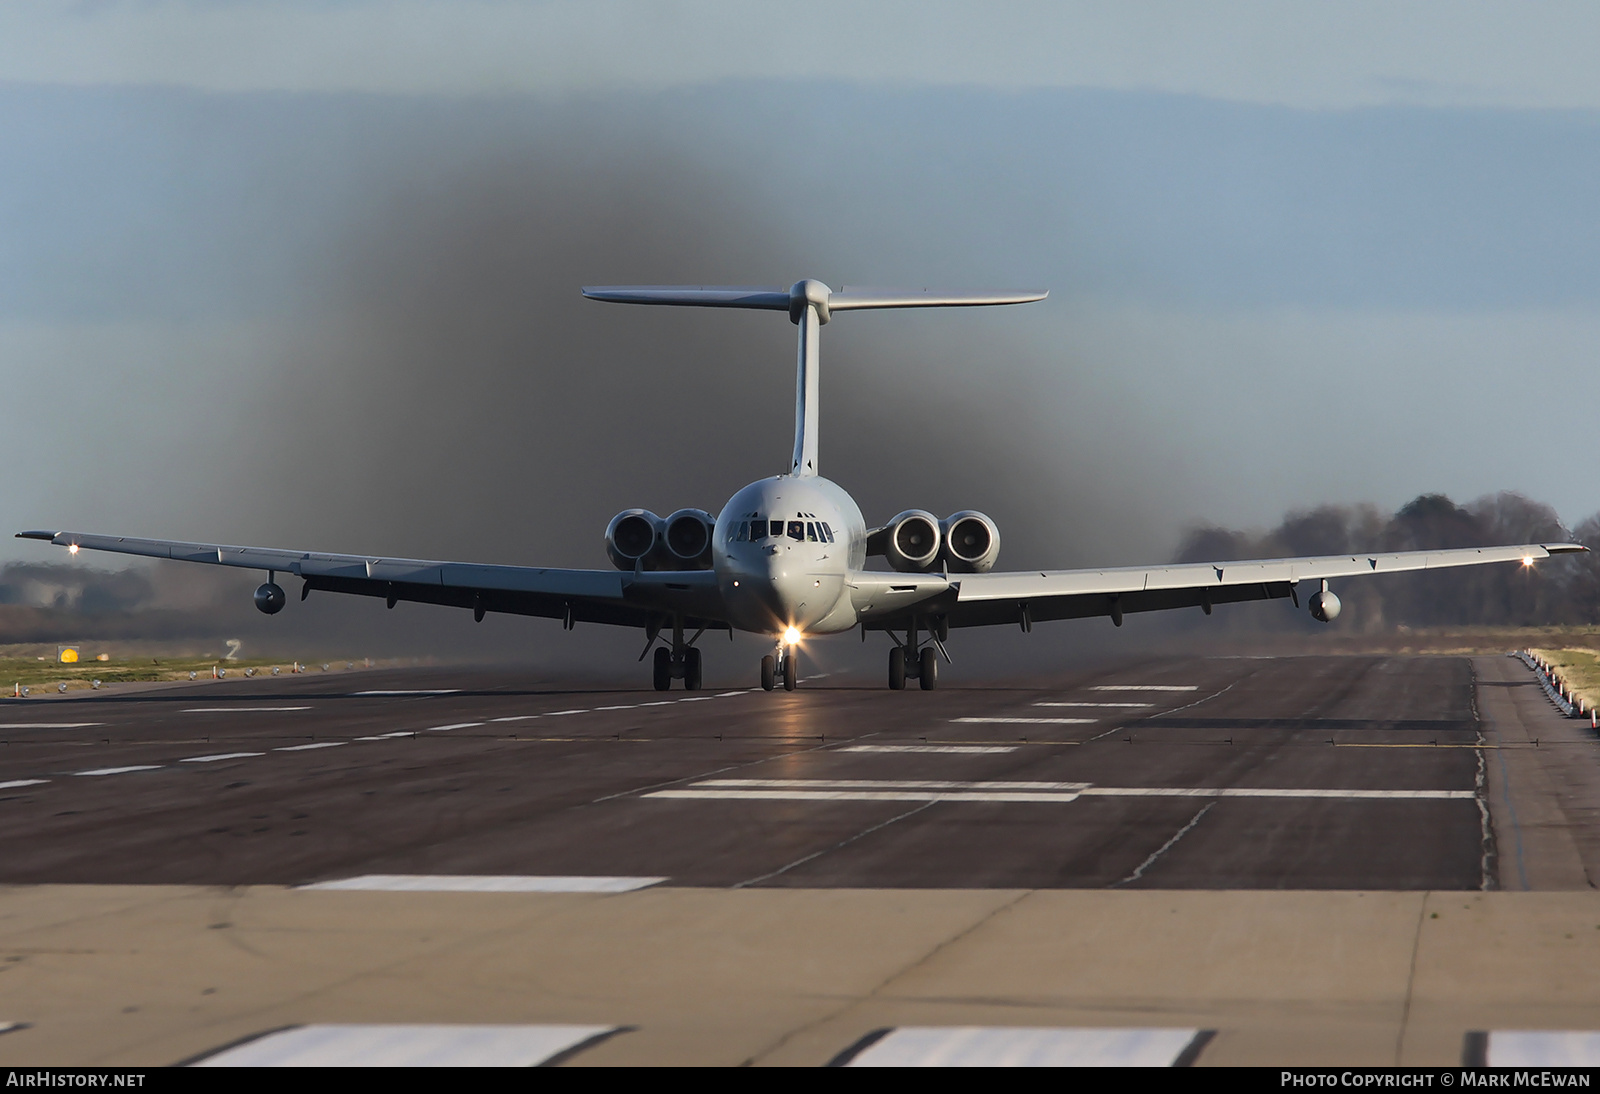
590	596
1027	597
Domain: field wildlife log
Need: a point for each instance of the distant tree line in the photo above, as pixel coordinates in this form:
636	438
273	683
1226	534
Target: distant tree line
1562	590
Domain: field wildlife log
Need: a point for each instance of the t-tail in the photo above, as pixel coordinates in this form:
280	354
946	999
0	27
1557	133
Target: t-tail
810	305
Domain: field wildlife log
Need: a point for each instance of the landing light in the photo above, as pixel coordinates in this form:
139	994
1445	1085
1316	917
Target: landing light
73	549
791	637
1527	560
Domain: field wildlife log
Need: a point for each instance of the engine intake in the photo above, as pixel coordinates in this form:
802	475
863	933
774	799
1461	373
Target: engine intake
971	542
632	538
912	543
688	539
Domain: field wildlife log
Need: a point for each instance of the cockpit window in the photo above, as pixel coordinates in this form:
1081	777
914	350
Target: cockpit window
797	529
811	532
744	531
827	533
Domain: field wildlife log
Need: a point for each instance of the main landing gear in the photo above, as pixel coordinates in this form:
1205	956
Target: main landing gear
681	662
911	659
783	665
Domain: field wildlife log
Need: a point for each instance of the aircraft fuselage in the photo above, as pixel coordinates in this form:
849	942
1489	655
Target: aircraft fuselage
783	551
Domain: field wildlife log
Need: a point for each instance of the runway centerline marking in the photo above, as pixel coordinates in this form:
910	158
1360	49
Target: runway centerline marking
219	756
1030	721
240	710
428	691
1145	687
49	725
1012	791
965	750
119	770
452	725
515	718
303	748
1138	705
14	783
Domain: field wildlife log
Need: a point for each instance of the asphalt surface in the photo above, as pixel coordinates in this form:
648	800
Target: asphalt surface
1284	773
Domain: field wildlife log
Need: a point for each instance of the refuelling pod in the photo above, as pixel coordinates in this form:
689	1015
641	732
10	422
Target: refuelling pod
912	542
687	537
971	542
269	598
632	537
1324	605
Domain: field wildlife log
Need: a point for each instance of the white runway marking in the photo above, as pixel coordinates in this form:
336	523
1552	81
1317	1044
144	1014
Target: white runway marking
389	736
999	1046
1031	721
625	706
962	750
452	725
1542	1048
219	756
432	691
487	883
14	783
730	694
556	713
1140	705
240	710
1145	687
303	748
408	1046
49	725
515	718
1003	791
120	770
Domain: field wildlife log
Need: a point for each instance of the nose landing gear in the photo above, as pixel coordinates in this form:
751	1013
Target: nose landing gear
783	665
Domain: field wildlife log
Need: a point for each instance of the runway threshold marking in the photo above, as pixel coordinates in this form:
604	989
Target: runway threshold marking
411	1046
1001	1046
484	883
962	750
1008	791
1531	1048
219	756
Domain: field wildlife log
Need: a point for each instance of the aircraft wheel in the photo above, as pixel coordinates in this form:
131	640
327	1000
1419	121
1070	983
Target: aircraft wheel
790	671
691	669
928	670
663	668
769	672
897	669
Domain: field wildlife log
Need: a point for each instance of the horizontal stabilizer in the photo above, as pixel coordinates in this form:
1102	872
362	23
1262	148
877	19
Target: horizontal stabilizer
702	296
794	299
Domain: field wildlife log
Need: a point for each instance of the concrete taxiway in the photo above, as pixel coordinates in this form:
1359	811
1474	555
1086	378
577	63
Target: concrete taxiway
1312	857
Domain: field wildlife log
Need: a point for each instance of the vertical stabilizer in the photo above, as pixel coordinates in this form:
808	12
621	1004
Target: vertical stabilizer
810	305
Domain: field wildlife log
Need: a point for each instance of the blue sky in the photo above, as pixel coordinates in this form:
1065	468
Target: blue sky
1297	254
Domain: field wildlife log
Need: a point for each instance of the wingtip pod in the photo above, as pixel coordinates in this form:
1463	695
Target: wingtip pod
1563	548
38	535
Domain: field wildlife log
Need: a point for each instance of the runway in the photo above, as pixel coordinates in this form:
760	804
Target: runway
582	826
1295	773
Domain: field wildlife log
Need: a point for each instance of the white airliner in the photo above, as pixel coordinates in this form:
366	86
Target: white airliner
787	555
